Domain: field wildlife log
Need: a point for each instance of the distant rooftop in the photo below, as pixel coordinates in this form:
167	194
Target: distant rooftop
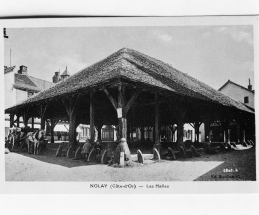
231	82
65	73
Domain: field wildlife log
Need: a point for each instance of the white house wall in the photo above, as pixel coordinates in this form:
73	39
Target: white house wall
238	93
21	95
8	87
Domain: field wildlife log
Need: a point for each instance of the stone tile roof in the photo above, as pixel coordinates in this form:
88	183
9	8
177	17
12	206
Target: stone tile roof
41	84
8	69
137	67
25	83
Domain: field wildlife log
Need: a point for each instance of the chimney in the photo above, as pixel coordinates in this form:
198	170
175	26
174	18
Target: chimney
56	77
23	70
249	86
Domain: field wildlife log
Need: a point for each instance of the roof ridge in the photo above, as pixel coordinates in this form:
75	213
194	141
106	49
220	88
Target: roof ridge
142	68
229	81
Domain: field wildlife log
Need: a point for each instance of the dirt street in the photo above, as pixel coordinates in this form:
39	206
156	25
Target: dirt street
233	165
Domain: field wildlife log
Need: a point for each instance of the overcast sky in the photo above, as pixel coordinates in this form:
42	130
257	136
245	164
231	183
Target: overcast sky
212	54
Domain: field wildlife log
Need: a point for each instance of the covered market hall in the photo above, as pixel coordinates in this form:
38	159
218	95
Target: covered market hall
131	90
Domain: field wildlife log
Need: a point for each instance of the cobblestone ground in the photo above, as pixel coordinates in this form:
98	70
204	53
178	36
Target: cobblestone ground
233	165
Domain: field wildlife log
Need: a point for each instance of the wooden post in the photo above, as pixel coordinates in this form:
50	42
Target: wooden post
32	123
11	120
71	132
128	134
75	132
197	132
229	132
225	136
121	112
244	136
99	130
18	120
225	128
122	108
210	136
52	123
242	130
52	140
207	127
42	123
92	130
41	109
157	139
180	132
25	117
70	108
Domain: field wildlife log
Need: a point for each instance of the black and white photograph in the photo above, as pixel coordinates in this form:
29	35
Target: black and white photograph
135	105
129	107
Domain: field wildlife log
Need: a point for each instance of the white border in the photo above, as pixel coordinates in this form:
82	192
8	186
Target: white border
175	187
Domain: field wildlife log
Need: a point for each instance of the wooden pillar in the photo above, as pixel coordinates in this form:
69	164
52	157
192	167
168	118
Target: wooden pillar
41	110
25	117
52	140
18	120
92	130
225	136
71	132
229	133
75	132
243	136
122	108
207	127
51	124
242	131
210	135
70	106
42	123
238	133
121	112
180	132
11	120
225	128
128	134
157	144
25	122
99	130
197	131
32	123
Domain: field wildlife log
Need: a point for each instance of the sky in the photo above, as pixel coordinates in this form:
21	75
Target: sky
211	54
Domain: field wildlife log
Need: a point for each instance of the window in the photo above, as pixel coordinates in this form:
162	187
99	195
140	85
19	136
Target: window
246	99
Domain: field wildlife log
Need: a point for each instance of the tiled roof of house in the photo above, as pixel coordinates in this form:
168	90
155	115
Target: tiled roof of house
231	82
41	84
23	82
8	69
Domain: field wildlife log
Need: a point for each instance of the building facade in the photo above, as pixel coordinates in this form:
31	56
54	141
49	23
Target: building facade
18	87
239	93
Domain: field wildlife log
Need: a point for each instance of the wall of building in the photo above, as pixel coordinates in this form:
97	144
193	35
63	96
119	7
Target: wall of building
8	88
238	93
20	95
